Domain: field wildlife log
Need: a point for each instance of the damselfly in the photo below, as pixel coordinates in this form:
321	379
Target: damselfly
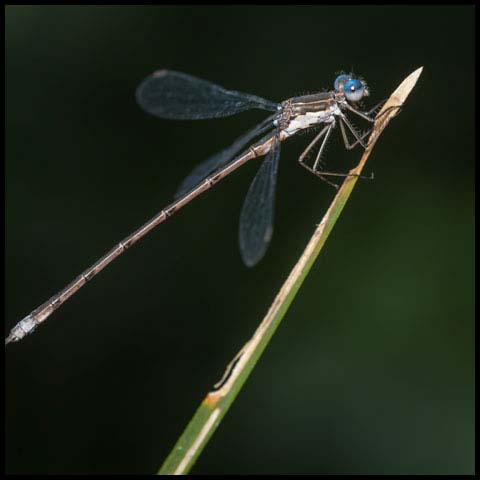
174	95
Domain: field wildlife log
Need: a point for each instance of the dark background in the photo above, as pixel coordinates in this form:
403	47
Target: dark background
372	369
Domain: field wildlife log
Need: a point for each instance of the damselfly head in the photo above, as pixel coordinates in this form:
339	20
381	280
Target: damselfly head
352	87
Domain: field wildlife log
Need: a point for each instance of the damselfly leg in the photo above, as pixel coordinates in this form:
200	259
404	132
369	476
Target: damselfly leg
343	120
325	132
302	159
368	115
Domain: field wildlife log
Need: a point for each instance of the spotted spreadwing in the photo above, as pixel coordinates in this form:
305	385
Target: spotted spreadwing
173	95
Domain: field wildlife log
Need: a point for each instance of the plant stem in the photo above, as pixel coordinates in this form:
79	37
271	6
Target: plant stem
216	404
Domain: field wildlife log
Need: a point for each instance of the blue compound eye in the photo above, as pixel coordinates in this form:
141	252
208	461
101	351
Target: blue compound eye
354	90
340	81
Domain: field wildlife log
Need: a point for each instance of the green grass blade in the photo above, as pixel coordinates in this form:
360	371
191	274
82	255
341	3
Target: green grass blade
217	402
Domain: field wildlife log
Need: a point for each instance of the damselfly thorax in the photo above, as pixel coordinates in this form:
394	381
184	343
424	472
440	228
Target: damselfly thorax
300	113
